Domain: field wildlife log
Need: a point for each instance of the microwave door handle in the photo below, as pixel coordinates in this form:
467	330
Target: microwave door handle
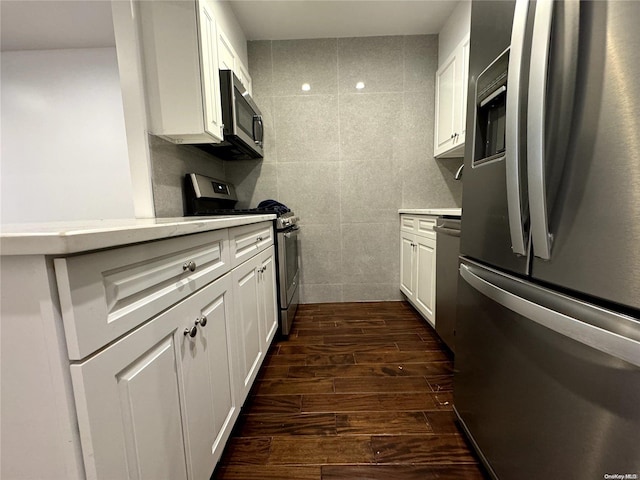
258	130
513	161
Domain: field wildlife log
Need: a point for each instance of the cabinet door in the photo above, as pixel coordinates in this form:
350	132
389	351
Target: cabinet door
425	288
242	73
269	307
446	113
463	75
128	404
209	408
406	264
246	332
209	71
226	55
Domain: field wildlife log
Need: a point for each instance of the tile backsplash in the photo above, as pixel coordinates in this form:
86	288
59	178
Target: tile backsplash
169	164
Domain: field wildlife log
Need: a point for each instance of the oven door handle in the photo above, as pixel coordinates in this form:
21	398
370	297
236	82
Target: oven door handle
289	231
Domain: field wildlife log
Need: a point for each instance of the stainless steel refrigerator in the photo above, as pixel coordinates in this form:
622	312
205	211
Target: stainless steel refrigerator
547	381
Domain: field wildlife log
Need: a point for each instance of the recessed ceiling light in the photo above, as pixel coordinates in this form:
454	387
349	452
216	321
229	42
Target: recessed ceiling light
306	87
360	85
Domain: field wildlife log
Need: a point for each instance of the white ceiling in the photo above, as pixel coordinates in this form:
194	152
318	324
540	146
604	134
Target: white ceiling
52	24
292	19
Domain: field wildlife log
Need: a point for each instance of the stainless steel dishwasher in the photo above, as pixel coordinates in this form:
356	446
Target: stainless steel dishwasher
447	264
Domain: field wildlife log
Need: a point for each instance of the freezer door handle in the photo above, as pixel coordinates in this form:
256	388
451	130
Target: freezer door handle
536	129
513	161
611	343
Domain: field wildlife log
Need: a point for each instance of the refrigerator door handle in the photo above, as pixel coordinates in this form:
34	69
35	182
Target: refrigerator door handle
541	237
619	346
512	133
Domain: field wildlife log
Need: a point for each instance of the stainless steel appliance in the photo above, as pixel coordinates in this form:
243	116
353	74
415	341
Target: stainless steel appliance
288	270
547	381
209	196
242	119
447	263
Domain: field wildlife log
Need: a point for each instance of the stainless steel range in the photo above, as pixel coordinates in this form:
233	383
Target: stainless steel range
210	197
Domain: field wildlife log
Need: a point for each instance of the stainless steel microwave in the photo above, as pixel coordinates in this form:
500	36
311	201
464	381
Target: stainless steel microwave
242	119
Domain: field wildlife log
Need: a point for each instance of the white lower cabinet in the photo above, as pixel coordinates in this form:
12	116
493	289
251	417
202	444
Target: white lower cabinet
256	318
144	356
425	271
407	264
268	295
418	264
159	402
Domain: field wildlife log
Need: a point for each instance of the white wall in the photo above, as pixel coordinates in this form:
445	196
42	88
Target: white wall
453	31
64	146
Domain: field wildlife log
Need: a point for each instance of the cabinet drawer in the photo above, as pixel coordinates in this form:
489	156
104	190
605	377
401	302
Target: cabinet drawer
407	223
424	227
105	294
248	240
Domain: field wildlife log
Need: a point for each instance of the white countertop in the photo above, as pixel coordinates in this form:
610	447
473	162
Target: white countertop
454	212
72	237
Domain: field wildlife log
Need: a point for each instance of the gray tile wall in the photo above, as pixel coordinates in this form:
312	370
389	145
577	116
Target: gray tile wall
346	160
169	164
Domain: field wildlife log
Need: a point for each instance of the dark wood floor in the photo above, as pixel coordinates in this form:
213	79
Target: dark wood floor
358	391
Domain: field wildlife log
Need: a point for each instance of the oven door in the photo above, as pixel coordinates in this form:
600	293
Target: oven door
288	265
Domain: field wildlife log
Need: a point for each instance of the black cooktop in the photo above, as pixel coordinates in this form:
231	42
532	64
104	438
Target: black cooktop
236	211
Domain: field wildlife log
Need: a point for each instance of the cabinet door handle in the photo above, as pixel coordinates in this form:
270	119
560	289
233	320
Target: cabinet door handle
192	332
202	321
191	266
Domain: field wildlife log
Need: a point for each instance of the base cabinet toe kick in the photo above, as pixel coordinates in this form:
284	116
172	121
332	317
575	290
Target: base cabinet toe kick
142	358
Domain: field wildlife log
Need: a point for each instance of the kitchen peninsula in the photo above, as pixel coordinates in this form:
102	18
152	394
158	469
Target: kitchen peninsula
114	333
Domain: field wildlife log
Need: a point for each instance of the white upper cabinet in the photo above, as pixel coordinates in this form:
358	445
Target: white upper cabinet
209	72
180	54
451	103
226	53
228	59
183	49
242	73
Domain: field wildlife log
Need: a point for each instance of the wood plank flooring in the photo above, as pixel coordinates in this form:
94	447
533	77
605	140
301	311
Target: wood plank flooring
358	391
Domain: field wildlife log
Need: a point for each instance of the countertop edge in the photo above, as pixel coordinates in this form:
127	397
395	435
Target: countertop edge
456	212
74	238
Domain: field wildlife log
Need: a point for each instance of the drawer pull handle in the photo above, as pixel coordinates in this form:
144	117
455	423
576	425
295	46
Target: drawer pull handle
191	266
259	239
192	332
202	321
